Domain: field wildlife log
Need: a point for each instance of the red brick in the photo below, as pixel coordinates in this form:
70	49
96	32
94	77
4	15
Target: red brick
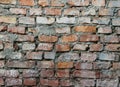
34	55
78	3
71	11
3	28
44	82
66	83
8	1
46	38
45	46
43	2
57	3
98	2
63	73
30	73
85	29
85	74
8	19
62	47
96	47
89	38
18	64
51	82
65	65
45	64
52	11
13	82
90	57
83	65
18	11
29	81
69	38
112	47
27	2
22	38
1	81
116	65
46	73
18	29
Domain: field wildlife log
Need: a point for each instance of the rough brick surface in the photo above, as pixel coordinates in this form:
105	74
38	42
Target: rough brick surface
59	43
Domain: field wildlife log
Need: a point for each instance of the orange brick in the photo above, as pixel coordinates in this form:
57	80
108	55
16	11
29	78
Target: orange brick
70	38
8	1
27	2
52	11
8	19
116	65
62	47
86	29
45	38
65	65
43	3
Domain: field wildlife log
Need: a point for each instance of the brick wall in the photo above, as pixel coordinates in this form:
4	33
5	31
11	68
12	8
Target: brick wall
59	43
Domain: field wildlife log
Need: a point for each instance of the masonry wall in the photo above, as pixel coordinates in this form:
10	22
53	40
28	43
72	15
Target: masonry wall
59	43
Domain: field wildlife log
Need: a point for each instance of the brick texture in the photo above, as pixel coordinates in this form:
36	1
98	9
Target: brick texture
59	43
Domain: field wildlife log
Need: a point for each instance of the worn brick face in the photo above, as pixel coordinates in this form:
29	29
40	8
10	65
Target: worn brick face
27	2
62	47
43	2
59	43
98	2
52	11
88	38
8	1
8	19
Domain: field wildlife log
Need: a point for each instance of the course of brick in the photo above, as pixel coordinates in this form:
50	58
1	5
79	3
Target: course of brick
59	43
